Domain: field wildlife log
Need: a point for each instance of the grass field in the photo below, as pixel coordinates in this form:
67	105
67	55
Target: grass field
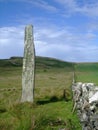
87	72
53	104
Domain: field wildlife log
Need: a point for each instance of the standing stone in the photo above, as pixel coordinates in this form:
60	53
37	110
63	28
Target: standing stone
28	66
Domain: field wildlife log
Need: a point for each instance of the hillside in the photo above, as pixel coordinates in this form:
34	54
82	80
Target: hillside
13	61
48	63
45	62
53	106
41	62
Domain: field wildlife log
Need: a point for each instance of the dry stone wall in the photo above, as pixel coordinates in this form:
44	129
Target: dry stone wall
85	96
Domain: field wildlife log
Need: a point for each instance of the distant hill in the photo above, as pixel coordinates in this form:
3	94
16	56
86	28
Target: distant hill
13	61
47	63
41	62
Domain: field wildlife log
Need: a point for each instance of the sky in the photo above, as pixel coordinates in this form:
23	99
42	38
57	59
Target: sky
63	29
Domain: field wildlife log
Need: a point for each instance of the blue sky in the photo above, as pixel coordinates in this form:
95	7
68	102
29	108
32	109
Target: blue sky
63	29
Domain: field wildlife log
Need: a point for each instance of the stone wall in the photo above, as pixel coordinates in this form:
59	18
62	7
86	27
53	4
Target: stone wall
85	96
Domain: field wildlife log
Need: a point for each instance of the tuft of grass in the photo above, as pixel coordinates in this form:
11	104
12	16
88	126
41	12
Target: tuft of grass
53	105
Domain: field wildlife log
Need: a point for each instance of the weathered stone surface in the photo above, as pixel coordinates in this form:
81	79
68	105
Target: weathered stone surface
28	66
85	96
93	98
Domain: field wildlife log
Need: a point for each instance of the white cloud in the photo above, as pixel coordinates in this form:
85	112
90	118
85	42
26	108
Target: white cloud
43	4
39	3
89	8
90	35
63	42
52	42
11	41
67	8
67	45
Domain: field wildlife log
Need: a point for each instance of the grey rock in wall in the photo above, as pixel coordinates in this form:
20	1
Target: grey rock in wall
28	74
85	96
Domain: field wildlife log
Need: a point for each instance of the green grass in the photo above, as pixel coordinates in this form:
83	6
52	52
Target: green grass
85	67
49	106
87	72
50	110
87	77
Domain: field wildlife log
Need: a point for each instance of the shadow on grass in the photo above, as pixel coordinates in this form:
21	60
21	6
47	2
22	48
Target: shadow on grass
52	99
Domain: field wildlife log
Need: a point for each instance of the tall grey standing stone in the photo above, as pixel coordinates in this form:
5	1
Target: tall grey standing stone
28	74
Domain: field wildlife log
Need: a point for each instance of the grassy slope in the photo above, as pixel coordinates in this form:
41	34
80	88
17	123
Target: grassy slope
41	62
49	111
87	72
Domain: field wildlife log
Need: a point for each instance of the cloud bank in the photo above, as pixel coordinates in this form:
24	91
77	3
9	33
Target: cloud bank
55	42
63	29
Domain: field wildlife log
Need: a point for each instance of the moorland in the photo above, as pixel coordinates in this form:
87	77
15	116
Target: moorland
52	107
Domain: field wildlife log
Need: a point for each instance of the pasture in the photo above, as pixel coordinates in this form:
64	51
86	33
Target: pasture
52	107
